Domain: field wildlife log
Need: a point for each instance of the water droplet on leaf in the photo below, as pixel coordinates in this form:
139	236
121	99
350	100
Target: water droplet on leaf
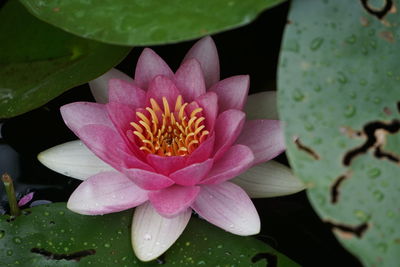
316	43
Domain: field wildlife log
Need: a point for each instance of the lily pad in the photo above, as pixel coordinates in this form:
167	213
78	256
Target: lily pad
39	62
339	99
149	22
51	235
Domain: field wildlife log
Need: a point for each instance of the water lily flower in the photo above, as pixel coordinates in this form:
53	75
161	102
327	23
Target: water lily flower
169	143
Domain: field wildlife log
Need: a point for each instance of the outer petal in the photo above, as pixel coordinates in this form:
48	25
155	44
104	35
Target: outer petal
190	81
104	193
232	92
227	206
174	199
234	161
99	86
192	174
209	103
261	106
160	87
269	179
73	159
153	234
126	93
79	114
206	53
148	180
228	126
264	137
150	65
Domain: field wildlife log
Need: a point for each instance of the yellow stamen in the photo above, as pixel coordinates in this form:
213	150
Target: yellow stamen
177	134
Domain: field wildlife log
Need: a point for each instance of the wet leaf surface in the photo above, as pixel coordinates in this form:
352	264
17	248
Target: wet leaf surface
51	235
39	62
149	22
338	96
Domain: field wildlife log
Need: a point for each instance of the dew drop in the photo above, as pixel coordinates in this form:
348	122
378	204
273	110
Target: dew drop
317	88
201	263
10	252
17	240
298	95
147	237
2	234
382	247
374	172
349	111
107	245
378	195
361	215
316	43
46	213
292	45
390	214
342	78
363	82
351	39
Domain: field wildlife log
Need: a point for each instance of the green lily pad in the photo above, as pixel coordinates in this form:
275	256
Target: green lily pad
149	22
52	235
39	62
339	98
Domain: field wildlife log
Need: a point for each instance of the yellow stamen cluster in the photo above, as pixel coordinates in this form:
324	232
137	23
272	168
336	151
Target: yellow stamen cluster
170	133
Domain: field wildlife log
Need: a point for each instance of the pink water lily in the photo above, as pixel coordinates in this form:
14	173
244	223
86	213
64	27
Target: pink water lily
169	143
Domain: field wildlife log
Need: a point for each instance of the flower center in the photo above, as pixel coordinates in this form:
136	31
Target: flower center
170	133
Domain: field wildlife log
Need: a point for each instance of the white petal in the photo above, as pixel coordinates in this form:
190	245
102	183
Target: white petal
73	159
99	86
269	179
227	206
153	234
261	106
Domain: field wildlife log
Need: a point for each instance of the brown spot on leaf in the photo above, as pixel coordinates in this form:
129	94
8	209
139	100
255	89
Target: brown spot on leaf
56	9
345	231
379	13
76	256
306	149
364	21
376	133
388	36
387	111
335	188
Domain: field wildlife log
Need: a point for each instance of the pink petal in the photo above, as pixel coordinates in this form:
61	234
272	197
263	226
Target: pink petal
99	86
160	87
173	200
227	206
192	174
126	93
228	126
190	81
107	144
264	138
235	161
150	65
166	165
206	54
148	180
203	152
104	193
25	199
232	92
209	103
121	115
79	114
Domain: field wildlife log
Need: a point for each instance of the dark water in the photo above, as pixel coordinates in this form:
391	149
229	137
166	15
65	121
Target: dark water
289	224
